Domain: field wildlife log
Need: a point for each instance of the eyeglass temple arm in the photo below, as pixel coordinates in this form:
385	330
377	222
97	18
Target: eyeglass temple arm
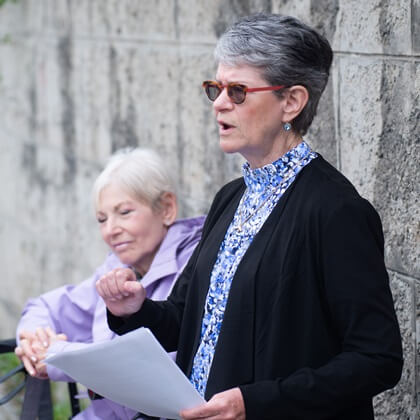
265	88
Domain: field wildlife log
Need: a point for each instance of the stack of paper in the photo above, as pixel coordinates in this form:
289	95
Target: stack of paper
133	370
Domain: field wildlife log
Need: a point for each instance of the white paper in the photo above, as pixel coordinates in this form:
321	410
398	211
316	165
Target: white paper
133	370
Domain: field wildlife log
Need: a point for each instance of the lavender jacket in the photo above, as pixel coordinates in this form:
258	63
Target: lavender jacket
79	312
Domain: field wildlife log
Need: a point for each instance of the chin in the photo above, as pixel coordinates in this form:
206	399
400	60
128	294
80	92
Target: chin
126	259
229	146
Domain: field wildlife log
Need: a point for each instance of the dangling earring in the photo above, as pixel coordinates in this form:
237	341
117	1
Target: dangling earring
287	126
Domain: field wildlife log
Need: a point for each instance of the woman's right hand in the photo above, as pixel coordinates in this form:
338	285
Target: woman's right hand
122	293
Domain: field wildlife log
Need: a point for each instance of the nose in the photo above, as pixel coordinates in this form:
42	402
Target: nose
222	102
110	229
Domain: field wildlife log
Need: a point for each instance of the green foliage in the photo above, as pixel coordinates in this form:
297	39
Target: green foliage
6	39
61	401
9	361
59	390
5	1
61	409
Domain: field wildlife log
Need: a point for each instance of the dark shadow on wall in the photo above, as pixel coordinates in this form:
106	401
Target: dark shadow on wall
324	16
123	127
230	11
65	59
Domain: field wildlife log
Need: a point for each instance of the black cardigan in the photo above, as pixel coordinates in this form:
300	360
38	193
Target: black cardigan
309	330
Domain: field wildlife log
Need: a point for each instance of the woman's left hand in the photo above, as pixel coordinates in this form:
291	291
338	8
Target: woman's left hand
33	349
227	405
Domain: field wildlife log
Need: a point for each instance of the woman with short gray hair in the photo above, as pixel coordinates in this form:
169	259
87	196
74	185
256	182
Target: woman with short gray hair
284	311
281	56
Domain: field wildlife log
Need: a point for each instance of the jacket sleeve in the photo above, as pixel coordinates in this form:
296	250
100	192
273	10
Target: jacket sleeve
359	301
68	309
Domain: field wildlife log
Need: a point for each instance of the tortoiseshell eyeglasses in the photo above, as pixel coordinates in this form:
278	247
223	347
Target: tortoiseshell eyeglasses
236	91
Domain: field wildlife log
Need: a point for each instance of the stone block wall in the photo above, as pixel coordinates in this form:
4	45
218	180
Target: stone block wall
82	78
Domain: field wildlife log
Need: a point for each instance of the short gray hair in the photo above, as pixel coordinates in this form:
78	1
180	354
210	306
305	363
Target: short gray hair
140	172
287	51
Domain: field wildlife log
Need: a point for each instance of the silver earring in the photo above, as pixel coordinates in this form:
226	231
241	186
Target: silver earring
287	126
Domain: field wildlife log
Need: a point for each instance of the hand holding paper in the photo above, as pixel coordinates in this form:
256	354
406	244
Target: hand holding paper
133	370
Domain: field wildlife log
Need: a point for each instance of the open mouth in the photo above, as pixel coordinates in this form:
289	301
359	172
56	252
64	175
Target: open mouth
224	126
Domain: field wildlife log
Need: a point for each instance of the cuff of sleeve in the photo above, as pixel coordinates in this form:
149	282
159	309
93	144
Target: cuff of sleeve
264	400
139	319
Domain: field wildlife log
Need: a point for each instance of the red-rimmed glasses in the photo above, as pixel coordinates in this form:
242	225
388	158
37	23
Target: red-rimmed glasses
235	91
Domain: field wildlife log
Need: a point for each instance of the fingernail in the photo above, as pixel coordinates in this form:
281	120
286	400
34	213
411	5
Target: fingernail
45	344
33	358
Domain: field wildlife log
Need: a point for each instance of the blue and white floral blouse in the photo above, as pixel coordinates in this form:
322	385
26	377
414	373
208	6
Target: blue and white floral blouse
265	186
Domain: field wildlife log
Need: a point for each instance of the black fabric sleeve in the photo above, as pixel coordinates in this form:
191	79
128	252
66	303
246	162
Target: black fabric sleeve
359	300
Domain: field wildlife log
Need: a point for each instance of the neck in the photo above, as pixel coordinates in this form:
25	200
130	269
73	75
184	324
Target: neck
279	148
141	268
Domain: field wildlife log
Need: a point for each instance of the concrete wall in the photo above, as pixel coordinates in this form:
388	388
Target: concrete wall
81	78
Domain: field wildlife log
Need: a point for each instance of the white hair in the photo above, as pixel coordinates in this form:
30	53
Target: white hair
140	172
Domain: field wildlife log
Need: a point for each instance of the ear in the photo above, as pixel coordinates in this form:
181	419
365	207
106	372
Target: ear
168	208
296	97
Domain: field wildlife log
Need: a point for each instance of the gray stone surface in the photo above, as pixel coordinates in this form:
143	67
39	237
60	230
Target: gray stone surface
374	26
400	402
79	79
380	145
360	128
416	398
322	134
396	171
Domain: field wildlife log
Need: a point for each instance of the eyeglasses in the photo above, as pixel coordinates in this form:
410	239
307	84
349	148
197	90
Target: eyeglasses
235	91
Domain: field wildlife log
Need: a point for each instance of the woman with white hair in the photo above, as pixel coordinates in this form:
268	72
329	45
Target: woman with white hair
136	208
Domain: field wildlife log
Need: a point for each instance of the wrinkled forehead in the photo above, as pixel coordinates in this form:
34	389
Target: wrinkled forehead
241	73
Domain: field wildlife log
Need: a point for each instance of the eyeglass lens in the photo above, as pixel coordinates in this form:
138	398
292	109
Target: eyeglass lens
213	91
236	92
